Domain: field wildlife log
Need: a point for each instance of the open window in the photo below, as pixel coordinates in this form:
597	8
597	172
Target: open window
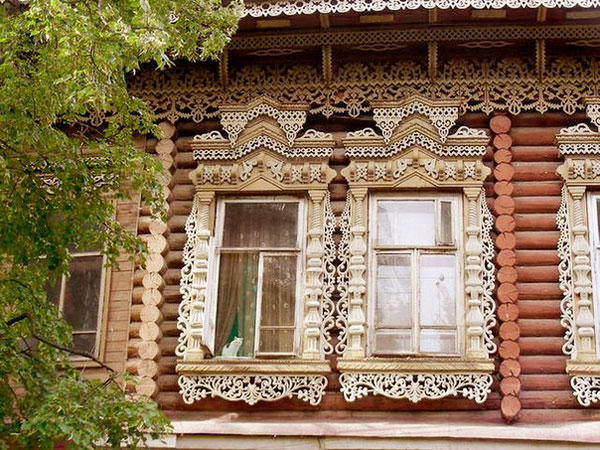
256	312
578	248
418	274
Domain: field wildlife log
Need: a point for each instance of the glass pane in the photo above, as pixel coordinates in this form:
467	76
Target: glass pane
53	291
438	289
82	293
438	341
276	341
236	304
406	222
85	342
270	225
392	341
393	291
278	290
446	237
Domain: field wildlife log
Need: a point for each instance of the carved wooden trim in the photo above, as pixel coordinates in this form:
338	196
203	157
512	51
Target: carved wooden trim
580	145
262	154
418	152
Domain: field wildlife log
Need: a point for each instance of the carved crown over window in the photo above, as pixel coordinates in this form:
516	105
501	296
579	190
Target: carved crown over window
580	146
417	153
262	155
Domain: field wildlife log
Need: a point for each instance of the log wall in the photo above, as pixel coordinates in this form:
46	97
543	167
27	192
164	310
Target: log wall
530	334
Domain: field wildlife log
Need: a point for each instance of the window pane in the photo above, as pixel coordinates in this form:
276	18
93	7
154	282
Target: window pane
82	293
271	225
393	301
53	291
276	341
236	304
406	222
278	290
446	237
392	341
85	342
438	289
438	341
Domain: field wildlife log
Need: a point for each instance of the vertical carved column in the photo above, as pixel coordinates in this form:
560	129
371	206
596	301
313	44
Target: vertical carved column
357	284
473	277
582	283
314	272
199	275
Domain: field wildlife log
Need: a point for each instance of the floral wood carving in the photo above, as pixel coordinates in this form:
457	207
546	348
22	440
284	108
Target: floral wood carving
261	154
511	84
416	386
580	146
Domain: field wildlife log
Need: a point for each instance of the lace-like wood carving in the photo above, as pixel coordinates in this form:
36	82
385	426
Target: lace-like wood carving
417	152
262	154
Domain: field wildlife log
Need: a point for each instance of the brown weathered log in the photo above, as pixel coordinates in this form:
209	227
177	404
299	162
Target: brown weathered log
510	386
150	331
507	293
535	222
539	309
507	274
506	241
538	274
539	291
509	331
536	239
543	364
510	408
537	188
147	368
502	141
541	345
148	350
533	135
548	399
182	192
176	224
508	311
504	205
541	327
172	276
510	368
167	129
545	382
146	387
504	188
524	205
505	223
506	258
535	171
536	257
502	156
509	349
174	259
180	207
504	172
534	153
338	191
500	124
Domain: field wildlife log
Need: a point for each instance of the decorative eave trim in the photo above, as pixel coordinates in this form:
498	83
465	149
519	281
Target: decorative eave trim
253	388
303	7
416	386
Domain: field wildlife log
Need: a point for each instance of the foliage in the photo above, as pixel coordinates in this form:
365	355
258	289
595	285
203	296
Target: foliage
60	62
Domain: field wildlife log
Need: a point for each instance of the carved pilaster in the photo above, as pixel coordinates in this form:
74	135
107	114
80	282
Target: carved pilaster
582	279
474	277
314	273
199	278
357	283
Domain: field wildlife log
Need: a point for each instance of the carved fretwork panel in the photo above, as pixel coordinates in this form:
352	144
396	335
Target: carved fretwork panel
261	155
580	146
417	153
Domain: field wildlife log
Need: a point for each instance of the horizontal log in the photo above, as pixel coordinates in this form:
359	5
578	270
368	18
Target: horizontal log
510	386
182	192
169	328
507	274
503	155
507	293
536	257
167	345
524	205
180	207
504	205
548	399
539	309
510	368
535	222
533	135
541	327
537	153
510	408
506	257
535	382
548	119
537	188
508	311
509	331
537	240
545	364
538	274
502	141
505	241
541	345
172	276
539	415
338	191
500	124
504	172
184	158
176	223
539	291
174	259
535	171
177	241
172	294
505	223
509	349
502	188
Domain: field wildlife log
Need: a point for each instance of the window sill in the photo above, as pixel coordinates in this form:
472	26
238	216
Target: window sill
416	379
253	380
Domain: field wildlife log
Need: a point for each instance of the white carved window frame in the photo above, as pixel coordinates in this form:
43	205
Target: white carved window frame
261	156
416	152
580	147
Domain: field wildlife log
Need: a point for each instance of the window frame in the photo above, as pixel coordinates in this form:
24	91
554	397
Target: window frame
593	197
374	250
103	300
216	250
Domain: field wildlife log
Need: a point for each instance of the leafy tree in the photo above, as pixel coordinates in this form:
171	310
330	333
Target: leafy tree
60	62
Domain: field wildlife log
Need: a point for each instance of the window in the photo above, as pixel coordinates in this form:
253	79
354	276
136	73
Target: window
414	257
259	244
594	221
79	297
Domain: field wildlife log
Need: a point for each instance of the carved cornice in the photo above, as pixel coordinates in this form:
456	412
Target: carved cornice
246	366
303	7
416	386
253	388
416	365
